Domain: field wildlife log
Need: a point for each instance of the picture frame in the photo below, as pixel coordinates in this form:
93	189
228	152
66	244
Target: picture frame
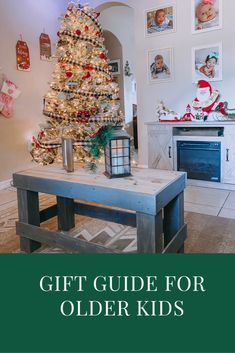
206	15
166	15
160	65
207	62
115	64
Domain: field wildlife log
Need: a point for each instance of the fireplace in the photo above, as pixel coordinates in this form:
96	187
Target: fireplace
200	159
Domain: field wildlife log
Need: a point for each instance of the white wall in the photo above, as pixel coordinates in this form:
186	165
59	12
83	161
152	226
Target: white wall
26	17
181	91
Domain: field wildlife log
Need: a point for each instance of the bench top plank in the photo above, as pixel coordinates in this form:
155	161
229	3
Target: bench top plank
147	190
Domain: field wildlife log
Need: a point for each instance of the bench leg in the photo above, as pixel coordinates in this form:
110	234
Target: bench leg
66	215
28	208
149	232
173	219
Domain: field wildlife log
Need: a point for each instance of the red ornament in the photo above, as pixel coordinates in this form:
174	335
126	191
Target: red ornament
103	56
35	141
42	134
78	32
58	34
66	16
86	28
88	67
94	135
98	34
94	110
69	74
83	120
96	14
88	75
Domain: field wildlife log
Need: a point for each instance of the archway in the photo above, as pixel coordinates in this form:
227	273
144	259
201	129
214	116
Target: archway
106	5
115	53
117	20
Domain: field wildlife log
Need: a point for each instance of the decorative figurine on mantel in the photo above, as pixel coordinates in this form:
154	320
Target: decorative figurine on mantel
206	98
188	116
164	114
227	113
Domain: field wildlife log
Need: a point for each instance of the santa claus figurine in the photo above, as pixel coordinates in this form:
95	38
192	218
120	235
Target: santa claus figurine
206	97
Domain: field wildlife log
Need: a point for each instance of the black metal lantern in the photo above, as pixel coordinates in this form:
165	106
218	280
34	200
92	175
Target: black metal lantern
118	154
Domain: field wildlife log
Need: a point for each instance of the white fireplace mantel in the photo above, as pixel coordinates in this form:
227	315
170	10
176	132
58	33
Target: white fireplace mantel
162	153
194	124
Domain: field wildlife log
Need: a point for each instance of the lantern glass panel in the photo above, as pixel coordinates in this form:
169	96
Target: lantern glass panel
119	143
126	143
126	152
113	143
117	161
119	170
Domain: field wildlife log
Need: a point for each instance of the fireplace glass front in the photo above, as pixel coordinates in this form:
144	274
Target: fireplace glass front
200	159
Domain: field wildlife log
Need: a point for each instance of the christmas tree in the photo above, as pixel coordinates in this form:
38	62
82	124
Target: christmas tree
82	100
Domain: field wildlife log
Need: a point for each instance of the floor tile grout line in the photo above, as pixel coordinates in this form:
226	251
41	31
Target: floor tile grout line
201	204
224	203
5	203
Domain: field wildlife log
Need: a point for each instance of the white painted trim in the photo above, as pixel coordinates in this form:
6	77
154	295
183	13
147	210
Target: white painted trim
211	185
5	184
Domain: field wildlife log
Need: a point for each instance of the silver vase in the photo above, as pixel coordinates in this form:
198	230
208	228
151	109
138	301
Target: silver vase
67	153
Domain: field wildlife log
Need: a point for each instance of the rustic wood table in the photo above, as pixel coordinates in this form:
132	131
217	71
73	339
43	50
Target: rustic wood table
150	200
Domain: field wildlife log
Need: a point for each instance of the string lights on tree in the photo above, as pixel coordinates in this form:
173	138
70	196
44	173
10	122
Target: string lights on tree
83	99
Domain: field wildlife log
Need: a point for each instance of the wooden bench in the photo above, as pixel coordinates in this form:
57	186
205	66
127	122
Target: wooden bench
151	200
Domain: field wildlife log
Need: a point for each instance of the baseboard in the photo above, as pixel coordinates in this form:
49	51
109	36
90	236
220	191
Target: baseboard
5	184
210	184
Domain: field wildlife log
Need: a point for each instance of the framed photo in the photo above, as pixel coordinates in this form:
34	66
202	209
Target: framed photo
207	62
160	65
206	15
160	20
115	64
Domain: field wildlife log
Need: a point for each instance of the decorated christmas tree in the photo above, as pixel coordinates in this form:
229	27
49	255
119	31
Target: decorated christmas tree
83	102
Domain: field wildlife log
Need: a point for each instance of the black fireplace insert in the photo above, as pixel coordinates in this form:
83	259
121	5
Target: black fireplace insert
200	159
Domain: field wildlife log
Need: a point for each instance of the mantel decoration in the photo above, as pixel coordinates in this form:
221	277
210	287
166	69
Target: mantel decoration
83	99
204	107
118	154
164	114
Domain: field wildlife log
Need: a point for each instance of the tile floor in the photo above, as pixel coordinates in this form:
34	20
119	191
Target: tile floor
208	201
